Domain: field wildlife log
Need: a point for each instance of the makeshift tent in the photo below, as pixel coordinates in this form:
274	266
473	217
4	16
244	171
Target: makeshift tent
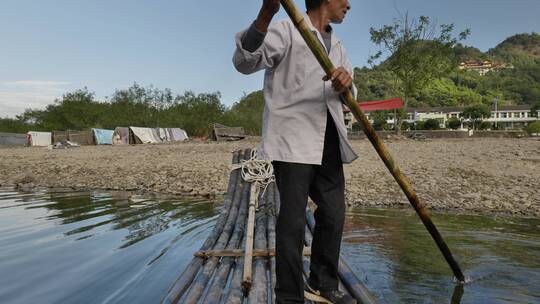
80	137
144	135
164	134
121	136
178	134
155	133
59	136
39	139
102	136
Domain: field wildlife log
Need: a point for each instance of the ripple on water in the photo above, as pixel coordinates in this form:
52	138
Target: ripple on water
396	258
78	247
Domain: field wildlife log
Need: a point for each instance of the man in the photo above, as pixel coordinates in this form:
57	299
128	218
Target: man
304	135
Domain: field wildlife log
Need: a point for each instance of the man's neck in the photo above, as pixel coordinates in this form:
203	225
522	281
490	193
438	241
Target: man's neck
319	20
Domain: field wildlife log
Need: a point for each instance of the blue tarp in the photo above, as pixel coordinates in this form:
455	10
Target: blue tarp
103	137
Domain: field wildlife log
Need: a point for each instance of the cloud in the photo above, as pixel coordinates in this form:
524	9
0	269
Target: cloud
36	83
16	96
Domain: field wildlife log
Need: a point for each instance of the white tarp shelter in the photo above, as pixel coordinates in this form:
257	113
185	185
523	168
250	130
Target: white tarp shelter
158	135
178	134
144	135
39	139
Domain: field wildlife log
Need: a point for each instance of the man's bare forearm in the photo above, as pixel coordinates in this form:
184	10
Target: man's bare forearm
267	12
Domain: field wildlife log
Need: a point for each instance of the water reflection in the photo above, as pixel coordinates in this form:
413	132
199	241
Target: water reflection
99	247
398	260
95	247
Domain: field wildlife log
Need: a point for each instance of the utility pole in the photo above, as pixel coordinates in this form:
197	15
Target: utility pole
496	114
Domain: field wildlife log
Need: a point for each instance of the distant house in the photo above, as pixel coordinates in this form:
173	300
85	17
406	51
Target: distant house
507	117
482	67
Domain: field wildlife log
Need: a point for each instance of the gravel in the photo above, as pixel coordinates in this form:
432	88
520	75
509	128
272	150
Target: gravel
469	175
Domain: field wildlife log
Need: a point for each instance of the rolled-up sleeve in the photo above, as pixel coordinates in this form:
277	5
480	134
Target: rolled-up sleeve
253	38
267	54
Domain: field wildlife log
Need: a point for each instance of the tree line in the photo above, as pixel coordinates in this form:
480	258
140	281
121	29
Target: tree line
142	107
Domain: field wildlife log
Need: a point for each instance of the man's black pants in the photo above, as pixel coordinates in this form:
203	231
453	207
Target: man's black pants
325	185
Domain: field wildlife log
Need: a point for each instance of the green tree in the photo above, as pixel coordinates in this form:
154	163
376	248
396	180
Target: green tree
533	128
247	113
15	125
417	52
375	84
77	110
454	123
443	92
196	113
475	113
535	108
379	120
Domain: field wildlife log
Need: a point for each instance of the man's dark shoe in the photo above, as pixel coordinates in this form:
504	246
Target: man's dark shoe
328	297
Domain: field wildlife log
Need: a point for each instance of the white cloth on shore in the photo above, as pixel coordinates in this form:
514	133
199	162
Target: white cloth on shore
39	139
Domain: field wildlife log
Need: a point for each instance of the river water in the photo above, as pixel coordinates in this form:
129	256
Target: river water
95	247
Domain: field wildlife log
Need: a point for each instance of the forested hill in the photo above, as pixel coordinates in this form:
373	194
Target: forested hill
519	83
521	46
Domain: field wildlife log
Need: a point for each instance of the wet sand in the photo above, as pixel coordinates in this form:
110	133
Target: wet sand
468	175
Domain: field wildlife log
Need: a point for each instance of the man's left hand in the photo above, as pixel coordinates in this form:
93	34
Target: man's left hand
341	79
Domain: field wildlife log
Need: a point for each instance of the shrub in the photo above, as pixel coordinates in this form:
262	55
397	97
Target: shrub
405	126
533	128
380	125
484	125
431	124
356	127
454	123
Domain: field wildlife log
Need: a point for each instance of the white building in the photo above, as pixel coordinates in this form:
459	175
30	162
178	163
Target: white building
507	117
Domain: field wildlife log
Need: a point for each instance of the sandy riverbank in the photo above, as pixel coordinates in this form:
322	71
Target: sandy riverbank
480	175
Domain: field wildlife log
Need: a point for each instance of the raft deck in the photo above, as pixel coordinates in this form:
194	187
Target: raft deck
216	274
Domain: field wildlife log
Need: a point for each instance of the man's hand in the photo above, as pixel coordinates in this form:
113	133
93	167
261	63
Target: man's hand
341	79
271	6
268	10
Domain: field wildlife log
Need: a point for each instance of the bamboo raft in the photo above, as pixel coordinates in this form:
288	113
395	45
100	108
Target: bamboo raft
226	270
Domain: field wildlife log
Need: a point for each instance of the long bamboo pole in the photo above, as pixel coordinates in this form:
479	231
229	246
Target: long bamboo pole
315	46
248	256
216	289
259	290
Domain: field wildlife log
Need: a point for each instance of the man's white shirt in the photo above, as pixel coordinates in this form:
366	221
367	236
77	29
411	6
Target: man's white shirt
296	97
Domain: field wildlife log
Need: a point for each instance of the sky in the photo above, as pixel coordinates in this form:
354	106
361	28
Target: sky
48	48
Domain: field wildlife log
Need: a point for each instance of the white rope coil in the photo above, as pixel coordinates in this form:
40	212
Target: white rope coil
257	171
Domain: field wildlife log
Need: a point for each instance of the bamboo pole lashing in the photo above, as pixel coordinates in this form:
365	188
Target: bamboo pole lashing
241	252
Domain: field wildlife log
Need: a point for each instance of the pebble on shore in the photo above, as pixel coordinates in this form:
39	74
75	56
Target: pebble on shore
470	175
